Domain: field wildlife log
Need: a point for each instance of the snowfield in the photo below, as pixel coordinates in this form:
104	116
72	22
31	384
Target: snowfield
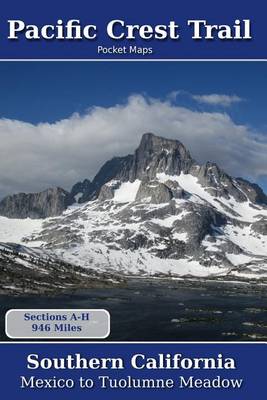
91	220
14	230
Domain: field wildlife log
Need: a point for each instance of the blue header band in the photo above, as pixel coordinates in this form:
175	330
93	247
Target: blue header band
141	30
20	382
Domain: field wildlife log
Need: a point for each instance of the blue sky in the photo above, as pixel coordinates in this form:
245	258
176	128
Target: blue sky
46	92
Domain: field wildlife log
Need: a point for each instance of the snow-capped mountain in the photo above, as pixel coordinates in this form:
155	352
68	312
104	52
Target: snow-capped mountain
156	212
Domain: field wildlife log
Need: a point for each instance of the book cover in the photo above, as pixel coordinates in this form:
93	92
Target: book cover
133	205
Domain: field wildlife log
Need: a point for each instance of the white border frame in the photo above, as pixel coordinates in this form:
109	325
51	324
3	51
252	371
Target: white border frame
63	341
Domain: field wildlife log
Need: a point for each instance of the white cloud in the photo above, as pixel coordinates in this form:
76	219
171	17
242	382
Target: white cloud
34	157
217	99
172	96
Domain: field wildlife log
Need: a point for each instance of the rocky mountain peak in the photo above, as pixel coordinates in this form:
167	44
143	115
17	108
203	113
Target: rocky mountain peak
49	203
253	191
156	154
155	143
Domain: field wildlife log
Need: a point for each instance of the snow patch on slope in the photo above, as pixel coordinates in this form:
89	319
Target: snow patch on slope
126	192
246	239
14	230
191	185
237	259
137	263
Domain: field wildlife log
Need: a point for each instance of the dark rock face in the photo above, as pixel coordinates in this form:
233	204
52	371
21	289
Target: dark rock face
156	154
254	193
217	182
154	192
49	203
260	226
177	191
81	190
107	191
116	168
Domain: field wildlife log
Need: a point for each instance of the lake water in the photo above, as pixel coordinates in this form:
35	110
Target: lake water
168	310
